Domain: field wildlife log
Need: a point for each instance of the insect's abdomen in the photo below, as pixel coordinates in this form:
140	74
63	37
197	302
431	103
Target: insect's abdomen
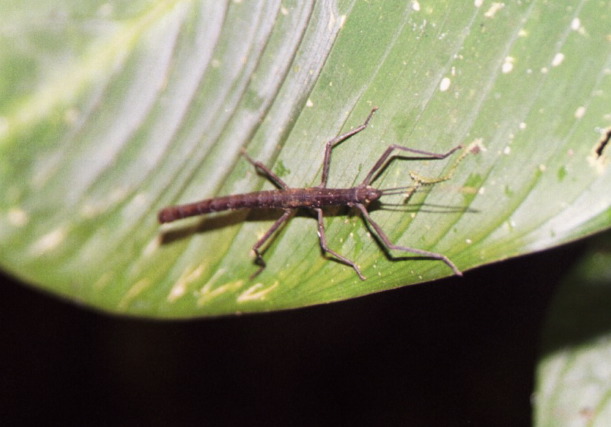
291	198
218	204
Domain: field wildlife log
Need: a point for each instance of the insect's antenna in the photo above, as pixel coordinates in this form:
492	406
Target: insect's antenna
429	181
395	190
421	180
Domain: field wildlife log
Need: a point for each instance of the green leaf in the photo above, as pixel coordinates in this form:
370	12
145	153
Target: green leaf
574	372
111	112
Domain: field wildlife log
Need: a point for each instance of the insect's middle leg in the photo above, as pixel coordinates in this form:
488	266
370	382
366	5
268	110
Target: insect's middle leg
338	139
323	245
259	260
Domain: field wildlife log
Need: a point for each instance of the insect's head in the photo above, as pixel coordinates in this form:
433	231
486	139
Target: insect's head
369	194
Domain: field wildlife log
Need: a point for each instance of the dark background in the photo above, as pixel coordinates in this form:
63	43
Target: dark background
453	352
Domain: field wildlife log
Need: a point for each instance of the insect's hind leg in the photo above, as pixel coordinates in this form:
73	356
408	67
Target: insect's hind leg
338	139
391	245
266	171
259	260
323	245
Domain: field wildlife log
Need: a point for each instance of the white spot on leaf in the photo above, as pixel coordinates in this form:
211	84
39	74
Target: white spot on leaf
494	9
18	217
180	287
445	83
133	292
207	293
256	292
49	241
558	58
507	66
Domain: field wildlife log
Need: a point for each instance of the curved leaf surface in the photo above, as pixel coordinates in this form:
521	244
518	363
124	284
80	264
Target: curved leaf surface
112	112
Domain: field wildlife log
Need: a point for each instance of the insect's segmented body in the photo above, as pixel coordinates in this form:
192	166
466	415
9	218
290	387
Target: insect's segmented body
291	198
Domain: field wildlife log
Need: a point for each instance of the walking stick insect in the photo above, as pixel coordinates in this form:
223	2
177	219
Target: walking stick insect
290	199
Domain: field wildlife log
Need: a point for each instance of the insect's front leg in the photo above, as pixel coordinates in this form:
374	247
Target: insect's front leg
259	260
384	159
391	245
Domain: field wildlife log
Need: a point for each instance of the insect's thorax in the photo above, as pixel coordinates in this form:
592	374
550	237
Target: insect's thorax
316	197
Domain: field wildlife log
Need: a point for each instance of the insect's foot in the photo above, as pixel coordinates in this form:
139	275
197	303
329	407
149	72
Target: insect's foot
256	273
450	264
